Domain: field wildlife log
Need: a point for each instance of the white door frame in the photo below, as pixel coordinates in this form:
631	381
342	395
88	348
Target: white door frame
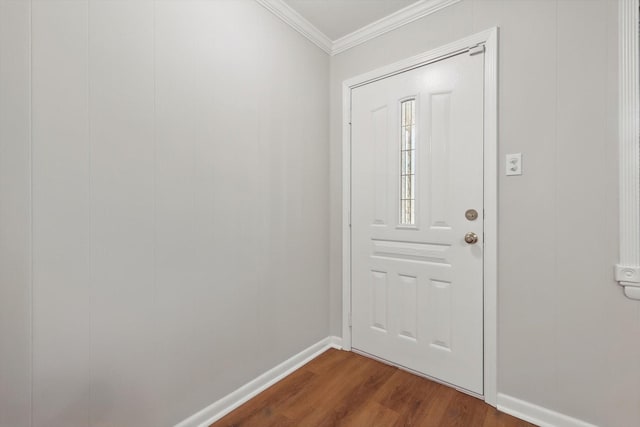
489	39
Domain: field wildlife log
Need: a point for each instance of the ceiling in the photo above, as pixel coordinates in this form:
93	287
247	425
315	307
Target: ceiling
337	18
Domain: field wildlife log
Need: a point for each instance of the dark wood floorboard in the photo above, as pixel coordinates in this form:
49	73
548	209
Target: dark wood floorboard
344	389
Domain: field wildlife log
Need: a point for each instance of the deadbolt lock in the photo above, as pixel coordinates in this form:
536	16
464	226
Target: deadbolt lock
471	214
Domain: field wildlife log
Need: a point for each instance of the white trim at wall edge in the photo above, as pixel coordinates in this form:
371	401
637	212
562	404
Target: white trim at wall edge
390	22
395	20
222	407
627	271
296	21
537	415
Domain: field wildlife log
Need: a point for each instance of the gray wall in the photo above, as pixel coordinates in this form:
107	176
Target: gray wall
164	206
568	338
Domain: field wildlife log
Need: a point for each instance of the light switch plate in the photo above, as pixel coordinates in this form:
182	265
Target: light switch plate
514	164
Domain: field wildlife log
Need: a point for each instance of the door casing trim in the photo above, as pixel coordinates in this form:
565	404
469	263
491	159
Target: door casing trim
489	38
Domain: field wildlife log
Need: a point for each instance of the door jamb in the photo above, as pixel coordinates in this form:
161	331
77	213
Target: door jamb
489	39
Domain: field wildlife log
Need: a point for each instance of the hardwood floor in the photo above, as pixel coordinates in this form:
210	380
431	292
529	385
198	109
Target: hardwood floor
341	388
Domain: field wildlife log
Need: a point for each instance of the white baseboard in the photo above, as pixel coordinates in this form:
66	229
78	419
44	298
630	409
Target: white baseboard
537	415
222	407
335	342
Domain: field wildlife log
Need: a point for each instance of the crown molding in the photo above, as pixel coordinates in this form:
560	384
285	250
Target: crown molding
283	11
397	19
627	271
390	22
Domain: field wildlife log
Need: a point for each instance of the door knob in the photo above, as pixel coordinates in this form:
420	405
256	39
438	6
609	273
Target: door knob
471	238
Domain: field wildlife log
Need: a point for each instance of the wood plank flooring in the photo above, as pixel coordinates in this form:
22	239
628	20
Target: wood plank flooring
341	388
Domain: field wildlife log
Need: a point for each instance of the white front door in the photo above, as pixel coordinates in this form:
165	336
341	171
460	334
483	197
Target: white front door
417	179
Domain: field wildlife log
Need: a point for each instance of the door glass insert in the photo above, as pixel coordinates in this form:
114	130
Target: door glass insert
407	162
